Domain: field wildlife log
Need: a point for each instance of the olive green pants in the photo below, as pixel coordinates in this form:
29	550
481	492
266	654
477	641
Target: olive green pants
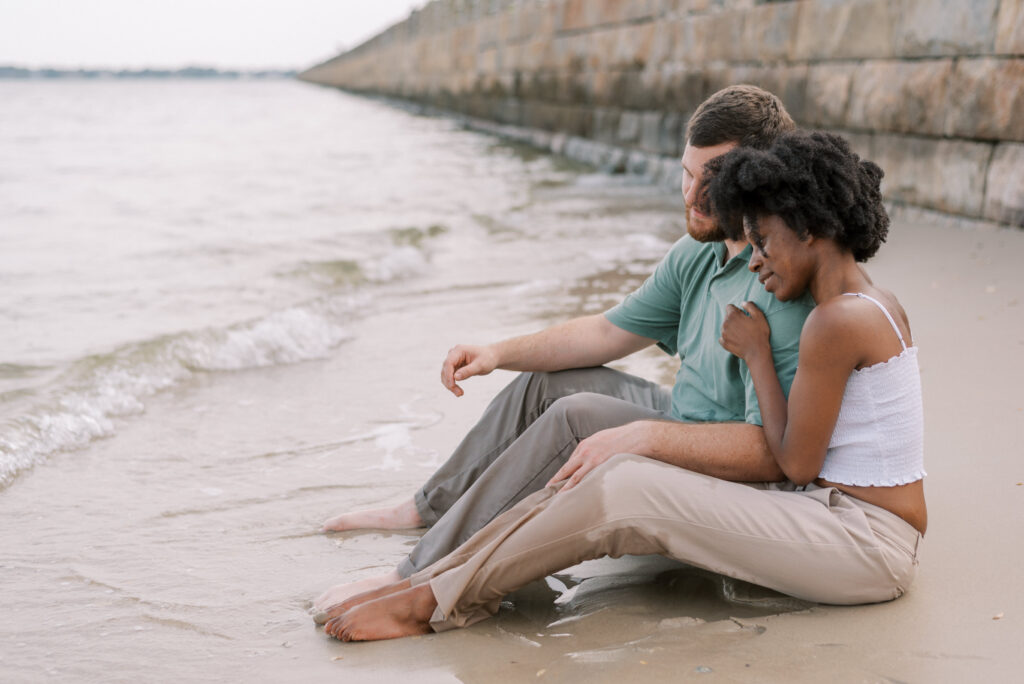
816	544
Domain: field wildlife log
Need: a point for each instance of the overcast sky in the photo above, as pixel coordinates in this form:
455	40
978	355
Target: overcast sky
239	34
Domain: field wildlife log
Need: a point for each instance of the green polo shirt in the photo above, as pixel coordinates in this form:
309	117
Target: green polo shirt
682	307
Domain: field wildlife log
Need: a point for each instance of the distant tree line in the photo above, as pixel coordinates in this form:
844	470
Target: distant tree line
186	72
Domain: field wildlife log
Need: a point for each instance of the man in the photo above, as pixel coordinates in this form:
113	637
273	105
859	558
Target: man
566	414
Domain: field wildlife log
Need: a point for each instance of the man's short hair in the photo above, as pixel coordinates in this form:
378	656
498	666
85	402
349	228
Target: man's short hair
743	114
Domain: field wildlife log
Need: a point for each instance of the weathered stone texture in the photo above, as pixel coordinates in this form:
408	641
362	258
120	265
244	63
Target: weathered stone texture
768	31
900	96
931	28
859	29
650	132
986	99
629	127
948	175
1004	196
828	94
932	89
1010	28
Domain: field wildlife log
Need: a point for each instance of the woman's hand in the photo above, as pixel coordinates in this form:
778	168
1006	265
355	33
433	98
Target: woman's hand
745	331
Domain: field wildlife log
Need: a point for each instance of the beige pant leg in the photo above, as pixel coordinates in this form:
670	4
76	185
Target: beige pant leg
819	544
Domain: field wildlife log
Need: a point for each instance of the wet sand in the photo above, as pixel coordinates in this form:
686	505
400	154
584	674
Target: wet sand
177	551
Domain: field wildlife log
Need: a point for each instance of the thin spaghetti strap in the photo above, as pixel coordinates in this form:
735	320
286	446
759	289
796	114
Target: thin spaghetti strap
884	310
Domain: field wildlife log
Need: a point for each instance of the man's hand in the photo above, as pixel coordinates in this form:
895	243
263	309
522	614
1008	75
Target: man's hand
465	361
595	450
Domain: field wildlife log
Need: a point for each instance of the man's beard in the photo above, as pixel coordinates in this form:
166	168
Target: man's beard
703	229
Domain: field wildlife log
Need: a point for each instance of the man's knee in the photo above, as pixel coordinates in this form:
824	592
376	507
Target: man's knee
575	406
563	383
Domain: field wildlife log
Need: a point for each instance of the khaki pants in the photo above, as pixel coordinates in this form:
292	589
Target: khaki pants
816	544
525	435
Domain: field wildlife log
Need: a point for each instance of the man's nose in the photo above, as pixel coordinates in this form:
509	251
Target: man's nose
690	192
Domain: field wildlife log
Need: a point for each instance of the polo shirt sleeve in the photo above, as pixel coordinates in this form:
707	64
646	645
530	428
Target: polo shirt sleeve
652	310
786	321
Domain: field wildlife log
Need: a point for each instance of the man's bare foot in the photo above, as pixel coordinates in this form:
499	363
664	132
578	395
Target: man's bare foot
337	609
341	592
404	516
404	613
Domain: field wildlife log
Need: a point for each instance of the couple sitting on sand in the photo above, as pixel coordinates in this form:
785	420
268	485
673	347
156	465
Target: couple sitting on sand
820	497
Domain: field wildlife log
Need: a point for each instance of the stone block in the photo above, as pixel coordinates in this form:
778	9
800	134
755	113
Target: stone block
1010	28
636	92
662	42
790	85
637	10
828	94
769	30
935	28
670	135
650	131
986	99
510	111
900	96
633	46
671	175
629	127
1004	195
606	124
862	144
855	29
684	89
947	175
577	120
637	163
716	37
615	162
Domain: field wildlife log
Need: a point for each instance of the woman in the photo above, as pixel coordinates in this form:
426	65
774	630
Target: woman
845	530
855	401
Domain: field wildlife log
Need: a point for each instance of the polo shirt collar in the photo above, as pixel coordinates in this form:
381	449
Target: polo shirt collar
740	260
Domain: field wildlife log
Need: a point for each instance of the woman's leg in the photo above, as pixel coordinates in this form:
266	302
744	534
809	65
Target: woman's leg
819	544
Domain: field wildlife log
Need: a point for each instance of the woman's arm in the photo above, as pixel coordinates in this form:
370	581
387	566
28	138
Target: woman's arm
798	431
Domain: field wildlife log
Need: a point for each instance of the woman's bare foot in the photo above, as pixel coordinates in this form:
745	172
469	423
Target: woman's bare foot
404	613
337	609
404	516
341	592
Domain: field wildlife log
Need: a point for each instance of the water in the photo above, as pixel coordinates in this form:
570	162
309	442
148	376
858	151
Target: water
225	305
154	230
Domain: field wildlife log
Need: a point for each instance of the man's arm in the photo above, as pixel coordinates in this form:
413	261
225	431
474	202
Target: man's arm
729	451
578	343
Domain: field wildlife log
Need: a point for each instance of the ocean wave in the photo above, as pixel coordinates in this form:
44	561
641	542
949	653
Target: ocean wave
83	403
405	257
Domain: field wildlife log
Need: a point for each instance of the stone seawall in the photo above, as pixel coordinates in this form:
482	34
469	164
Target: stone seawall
933	90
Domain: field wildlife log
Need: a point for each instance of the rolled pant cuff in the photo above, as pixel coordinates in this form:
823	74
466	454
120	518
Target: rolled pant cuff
427	514
406	569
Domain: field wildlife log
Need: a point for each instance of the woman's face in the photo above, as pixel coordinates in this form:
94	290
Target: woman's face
783	262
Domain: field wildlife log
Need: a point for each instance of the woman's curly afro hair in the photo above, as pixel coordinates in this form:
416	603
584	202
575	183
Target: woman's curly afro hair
810	179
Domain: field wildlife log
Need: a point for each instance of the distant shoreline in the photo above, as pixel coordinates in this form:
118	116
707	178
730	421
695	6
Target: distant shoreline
21	73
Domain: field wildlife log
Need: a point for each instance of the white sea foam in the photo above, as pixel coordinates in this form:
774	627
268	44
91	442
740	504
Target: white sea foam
402	262
86	401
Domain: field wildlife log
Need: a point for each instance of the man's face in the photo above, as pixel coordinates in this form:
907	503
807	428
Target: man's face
699	225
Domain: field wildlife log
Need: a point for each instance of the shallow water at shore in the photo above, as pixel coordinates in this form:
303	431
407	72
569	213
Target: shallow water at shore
255	376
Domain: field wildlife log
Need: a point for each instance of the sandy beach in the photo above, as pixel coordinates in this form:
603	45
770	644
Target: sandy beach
961	621
184	546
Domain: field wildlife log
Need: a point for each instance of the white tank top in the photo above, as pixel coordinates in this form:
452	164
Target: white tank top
879	435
